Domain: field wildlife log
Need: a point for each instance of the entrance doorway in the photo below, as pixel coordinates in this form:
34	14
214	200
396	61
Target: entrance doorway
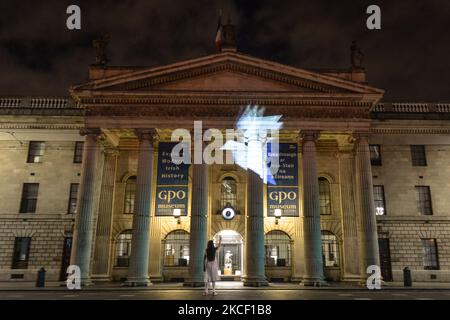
65	261
230	255
385	259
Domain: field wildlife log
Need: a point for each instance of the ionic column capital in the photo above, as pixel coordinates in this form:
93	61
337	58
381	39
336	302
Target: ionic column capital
90	131
145	134
309	135
359	136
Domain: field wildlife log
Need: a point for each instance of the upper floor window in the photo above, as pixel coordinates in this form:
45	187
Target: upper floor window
423	197
330	249
324	196
375	154
176	248
378	197
35	151
78	152
21	253
29	198
130	195
228	195
430	254
278	248
123	248
73	198
418	156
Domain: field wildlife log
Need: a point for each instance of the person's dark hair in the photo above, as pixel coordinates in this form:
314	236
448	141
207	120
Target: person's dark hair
210	251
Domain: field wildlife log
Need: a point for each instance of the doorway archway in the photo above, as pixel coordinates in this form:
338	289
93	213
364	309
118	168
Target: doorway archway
230	256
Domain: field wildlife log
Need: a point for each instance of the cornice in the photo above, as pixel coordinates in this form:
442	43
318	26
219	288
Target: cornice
75	126
413	130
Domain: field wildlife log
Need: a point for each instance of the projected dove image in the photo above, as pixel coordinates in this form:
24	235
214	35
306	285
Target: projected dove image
251	152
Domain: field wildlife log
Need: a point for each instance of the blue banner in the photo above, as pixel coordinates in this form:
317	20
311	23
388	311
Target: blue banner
171	183
284	193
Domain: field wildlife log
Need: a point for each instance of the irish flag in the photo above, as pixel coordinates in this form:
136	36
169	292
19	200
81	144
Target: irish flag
218	40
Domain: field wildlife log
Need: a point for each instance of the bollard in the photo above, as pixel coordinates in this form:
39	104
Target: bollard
407	279
40	282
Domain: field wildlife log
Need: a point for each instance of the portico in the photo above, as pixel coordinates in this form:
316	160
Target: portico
132	112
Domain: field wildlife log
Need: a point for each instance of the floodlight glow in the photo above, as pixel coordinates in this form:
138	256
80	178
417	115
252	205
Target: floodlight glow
252	152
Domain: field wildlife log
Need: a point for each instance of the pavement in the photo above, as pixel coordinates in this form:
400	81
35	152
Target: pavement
232	290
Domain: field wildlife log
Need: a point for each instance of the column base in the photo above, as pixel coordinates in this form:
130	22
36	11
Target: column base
351	278
137	282
314	282
85	282
101	278
255	282
195	283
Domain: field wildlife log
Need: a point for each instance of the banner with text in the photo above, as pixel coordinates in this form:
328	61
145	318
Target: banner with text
284	194
171	183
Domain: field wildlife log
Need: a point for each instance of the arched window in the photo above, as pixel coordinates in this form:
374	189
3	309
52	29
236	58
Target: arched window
330	249
278	248
176	248
324	196
130	195
228	195
123	248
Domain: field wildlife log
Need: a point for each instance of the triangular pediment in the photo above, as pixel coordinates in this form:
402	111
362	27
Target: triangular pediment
228	71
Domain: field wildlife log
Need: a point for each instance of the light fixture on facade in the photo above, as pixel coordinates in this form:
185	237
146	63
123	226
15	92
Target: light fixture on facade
177	214
277	213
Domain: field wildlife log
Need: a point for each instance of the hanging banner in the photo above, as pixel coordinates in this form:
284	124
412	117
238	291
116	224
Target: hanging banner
284	193
171	183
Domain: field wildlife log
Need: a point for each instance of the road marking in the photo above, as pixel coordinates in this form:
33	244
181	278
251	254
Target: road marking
424	298
111	299
362	299
71	295
126	295
345	294
399	294
15	296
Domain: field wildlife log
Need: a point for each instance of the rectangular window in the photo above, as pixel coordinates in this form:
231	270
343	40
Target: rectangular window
73	198
78	153
418	156
378	197
29	198
430	254
423	196
375	154
35	151
21	253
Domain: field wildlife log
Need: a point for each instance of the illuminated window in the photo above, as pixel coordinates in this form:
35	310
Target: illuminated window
123	248
324	196
228	196
330	249
375	154
35	151
278	248
378	197
130	195
73	198
430	254
176	248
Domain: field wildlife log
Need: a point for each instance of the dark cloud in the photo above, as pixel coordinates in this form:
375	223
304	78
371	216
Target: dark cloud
409	57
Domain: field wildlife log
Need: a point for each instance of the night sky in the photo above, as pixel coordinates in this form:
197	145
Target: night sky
409	57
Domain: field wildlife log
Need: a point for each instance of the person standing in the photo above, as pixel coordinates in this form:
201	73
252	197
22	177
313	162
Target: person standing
210	266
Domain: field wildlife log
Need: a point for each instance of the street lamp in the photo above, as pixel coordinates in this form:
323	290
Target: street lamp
277	214
177	214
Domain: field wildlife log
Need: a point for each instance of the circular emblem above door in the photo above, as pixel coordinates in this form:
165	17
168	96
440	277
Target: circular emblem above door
228	213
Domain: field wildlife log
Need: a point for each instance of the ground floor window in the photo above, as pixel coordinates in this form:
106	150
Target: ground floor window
278	248
330	249
21	253
176	248
430	254
123	248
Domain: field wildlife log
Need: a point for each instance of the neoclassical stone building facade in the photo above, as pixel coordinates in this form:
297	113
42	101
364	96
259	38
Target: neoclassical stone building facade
87	180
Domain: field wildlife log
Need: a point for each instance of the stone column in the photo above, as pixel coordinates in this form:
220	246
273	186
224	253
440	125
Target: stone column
198	236
85	218
311	212
255	254
102	251
138	269
349	219
368	250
